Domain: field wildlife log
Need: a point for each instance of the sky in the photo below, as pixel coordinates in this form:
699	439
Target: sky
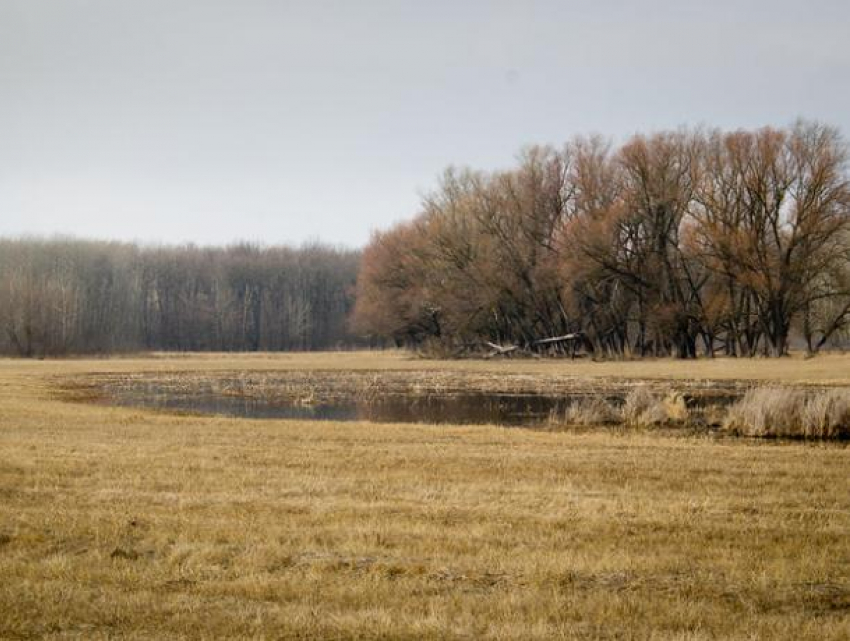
211	121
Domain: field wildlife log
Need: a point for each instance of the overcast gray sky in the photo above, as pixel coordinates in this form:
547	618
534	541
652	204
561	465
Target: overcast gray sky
284	121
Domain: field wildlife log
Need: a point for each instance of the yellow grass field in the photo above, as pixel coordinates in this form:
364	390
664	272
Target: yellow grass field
124	523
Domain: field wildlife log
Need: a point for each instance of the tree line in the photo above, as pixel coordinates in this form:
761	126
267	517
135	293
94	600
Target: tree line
677	243
72	296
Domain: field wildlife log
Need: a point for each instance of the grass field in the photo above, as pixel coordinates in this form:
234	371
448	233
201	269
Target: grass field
117	522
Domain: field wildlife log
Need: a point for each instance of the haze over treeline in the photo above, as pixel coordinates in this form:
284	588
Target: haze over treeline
677	243
65	296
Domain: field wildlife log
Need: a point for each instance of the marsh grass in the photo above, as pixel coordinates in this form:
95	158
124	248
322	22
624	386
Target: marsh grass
764	412
827	415
791	413
589	411
122	523
641	407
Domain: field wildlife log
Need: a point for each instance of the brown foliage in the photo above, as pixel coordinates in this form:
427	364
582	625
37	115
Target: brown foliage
672	240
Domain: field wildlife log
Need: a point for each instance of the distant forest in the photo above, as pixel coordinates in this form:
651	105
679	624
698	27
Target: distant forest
674	244
73	297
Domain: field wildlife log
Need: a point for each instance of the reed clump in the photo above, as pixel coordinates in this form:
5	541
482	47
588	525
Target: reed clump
643	408
827	415
784	412
593	410
766	412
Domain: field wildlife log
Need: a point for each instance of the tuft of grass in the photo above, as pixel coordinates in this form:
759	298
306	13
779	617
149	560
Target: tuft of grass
765	411
827	415
676	408
593	410
786	412
644	408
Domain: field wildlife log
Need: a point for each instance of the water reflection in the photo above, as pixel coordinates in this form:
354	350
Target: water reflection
383	401
469	408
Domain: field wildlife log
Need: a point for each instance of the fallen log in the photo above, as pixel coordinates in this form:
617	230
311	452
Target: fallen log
500	350
560	339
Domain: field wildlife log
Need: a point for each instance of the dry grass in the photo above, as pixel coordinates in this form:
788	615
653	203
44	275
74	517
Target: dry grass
122	523
794	413
827	415
641	408
589	411
825	369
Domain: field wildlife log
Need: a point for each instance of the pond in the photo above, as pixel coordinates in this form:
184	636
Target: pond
383	403
457	409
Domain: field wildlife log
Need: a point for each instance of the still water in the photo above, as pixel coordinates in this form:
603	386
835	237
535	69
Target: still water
466	408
